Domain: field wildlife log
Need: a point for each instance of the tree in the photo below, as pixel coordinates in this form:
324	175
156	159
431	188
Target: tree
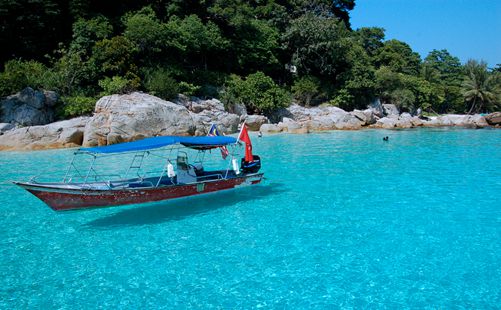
445	72
371	39
399	57
305	88
30	29
87	32
145	30
316	45
258	92
481	90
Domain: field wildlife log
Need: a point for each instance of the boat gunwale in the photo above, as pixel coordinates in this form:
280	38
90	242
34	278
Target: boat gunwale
72	189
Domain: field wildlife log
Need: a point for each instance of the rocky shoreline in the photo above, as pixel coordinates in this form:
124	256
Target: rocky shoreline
122	118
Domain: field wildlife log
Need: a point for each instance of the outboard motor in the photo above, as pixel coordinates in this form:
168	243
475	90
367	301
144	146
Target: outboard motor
252	166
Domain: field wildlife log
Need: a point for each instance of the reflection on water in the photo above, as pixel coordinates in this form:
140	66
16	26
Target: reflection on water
177	209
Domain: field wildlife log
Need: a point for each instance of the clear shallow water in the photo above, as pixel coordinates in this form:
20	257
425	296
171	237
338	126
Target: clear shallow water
343	220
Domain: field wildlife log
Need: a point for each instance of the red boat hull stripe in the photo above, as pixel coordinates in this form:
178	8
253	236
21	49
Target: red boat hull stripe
80	199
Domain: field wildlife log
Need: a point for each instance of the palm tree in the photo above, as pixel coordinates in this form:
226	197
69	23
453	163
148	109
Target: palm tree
480	88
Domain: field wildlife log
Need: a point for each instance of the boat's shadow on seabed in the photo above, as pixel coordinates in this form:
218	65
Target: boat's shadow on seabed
159	212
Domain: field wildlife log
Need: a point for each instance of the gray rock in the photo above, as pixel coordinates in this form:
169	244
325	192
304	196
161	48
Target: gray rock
386	122
207	112
238	109
390	109
29	107
269	128
254	122
416	121
474	121
289	125
67	133
134	116
367	116
278	115
493	118
6	127
377	108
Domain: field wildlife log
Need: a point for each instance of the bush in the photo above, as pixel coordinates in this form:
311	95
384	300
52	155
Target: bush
76	106
19	74
118	85
305	89
188	89
160	83
258	92
343	100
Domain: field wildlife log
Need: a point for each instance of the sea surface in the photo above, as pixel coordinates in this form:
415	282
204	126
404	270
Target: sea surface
343	220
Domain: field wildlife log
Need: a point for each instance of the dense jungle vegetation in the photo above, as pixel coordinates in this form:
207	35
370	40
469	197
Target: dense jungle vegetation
262	53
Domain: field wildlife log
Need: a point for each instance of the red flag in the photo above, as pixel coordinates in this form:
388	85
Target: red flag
244	137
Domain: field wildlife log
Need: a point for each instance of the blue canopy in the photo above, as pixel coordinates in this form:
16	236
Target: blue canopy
158	142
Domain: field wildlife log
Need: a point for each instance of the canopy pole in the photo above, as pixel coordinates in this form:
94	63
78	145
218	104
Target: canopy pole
69	167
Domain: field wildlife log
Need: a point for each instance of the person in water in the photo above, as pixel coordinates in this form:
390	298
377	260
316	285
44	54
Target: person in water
386	138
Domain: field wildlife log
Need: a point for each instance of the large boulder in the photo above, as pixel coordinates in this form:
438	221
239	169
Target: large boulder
367	117
377	108
67	133
387	122
270	128
390	109
494	119
29	107
207	112
121	118
6	127
238	109
254	122
474	121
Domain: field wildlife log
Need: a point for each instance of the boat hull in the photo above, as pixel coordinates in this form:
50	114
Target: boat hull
61	199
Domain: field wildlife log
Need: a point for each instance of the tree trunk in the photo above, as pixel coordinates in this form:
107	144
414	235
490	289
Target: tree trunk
473	105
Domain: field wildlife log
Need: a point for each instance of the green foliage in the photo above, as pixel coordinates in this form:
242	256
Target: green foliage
315	44
19	74
87	32
188	89
305	89
258	92
114	56
145	30
371	39
72	72
76	105
399	57
343	99
160	83
118	85
83	48
481	89
192	34
406	91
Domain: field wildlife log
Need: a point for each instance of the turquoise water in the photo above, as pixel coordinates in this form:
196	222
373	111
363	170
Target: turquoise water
343	220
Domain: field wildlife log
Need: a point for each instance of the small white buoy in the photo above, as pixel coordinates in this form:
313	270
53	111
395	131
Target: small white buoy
235	166
170	171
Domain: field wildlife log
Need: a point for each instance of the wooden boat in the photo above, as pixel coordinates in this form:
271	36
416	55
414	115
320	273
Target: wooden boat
176	178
